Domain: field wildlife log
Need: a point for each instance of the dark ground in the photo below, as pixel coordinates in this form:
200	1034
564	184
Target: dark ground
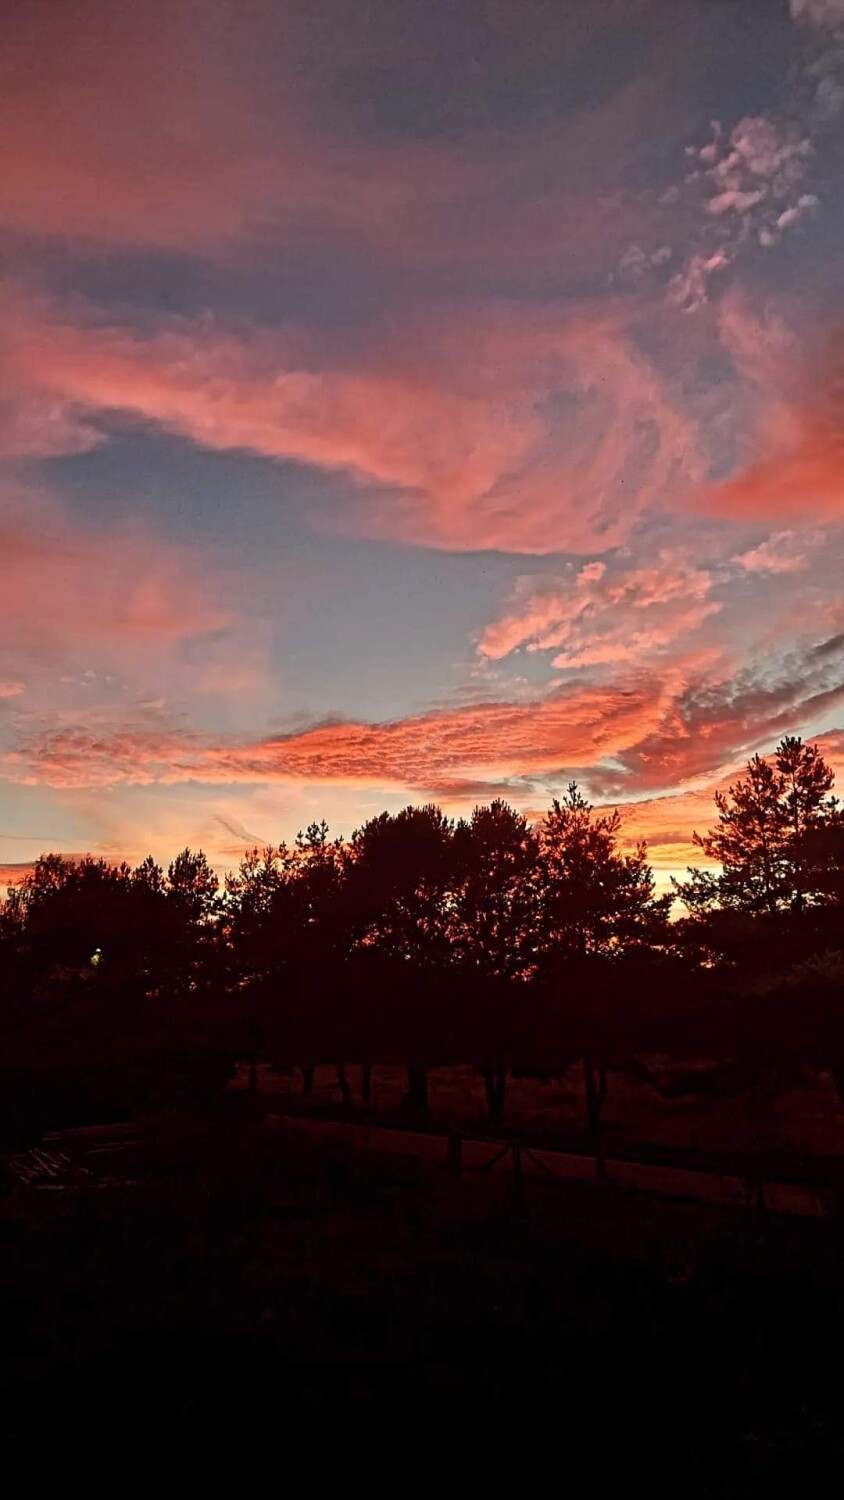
215	1275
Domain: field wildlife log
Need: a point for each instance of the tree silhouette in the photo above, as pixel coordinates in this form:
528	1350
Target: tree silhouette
116	961
255	914
822	859
493	913
192	886
596	906
763	837
400	870
594	900
418	941
493	921
86	915
283	931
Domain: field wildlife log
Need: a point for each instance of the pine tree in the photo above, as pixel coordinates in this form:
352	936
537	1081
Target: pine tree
494	900
763	837
595	900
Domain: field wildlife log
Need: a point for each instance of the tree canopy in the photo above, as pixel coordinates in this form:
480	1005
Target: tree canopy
492	937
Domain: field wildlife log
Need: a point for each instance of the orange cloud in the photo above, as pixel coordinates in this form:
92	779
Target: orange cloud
801	481
667	823
570	727
711	723
13	872
648	732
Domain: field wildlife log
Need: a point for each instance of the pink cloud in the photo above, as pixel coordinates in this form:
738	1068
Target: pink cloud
800	475
826	15
776	554
792	469
803	481
533	435
733	200
106	609
666	823
571	726
603	617
645	731
130	125
713	721
64	585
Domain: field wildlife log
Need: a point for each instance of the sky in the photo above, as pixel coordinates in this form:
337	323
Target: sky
413	400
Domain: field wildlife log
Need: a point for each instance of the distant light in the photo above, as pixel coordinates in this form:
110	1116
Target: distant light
96	957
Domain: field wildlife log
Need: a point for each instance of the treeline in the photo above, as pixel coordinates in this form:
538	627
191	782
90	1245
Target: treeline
426	941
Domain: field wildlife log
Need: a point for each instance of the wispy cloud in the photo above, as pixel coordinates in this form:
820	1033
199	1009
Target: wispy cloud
497	431
70	589
571	727
644	732
751	184
823	15
758	178
105	611
798	474
713	722
607	614
780	553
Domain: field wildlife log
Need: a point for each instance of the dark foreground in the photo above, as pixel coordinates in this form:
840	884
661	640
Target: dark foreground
208	1274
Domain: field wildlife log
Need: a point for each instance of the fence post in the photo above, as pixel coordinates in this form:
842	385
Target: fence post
518	1179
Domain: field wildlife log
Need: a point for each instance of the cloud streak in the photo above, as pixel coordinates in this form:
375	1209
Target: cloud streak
535	434
571	726
74	585
800	476
97	611
607	616
648	732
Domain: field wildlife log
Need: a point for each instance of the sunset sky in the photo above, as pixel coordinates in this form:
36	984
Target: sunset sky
408	400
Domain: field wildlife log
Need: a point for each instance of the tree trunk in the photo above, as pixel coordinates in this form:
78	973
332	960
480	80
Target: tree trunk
344	1086
837	1071
595	1082
254	1053
562	1077
307	1070
417	1087
366	1082
495	1083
